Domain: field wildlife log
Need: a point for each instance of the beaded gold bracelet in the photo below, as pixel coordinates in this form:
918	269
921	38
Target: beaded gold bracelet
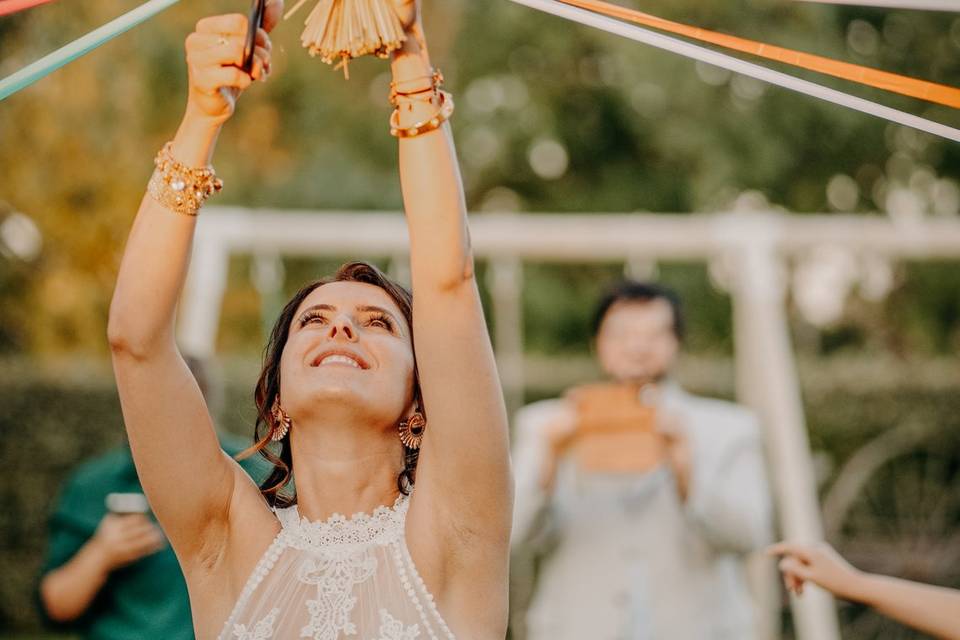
444	112
179	188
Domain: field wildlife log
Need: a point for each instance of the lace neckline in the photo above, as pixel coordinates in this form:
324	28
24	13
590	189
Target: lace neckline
382	526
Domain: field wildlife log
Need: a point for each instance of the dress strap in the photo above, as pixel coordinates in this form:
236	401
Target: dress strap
289	517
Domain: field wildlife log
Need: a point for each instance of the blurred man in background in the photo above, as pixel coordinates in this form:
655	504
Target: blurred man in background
109	573
640	500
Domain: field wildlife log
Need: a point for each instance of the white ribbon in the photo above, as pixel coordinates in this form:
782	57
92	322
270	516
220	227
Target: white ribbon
759	72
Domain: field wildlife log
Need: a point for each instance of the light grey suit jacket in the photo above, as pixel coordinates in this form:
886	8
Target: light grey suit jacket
621	557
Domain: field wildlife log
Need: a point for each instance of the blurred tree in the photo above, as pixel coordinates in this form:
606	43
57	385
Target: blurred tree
553	116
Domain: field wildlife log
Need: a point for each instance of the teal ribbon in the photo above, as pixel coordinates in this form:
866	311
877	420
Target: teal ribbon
80	47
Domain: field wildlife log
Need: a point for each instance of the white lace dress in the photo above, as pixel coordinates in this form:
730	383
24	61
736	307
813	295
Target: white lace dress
343	578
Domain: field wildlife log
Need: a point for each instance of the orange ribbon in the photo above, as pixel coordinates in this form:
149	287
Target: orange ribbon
904	85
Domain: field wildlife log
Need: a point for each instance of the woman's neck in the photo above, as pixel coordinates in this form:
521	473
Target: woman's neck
344	470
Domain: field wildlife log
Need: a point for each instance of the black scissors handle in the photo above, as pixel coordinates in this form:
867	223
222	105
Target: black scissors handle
255	22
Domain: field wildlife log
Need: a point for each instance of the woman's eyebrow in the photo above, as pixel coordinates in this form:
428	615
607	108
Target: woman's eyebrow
319	307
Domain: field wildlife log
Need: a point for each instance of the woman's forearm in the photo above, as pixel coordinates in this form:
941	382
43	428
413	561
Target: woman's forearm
67	592
930	609
157	256
196	139
431	184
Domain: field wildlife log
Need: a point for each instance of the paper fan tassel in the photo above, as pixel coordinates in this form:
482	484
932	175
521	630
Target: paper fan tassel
339	30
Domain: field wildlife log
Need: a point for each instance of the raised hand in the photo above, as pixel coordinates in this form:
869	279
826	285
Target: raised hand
215	57
409	12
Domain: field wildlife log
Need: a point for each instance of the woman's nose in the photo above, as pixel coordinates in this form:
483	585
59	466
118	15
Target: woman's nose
342	327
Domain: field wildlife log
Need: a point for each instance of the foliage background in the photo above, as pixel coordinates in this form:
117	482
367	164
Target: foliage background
642	129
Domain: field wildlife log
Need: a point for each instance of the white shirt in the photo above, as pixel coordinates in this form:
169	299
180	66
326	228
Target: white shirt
621	557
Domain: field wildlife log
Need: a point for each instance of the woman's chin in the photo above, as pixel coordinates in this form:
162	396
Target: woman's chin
337	392
337	395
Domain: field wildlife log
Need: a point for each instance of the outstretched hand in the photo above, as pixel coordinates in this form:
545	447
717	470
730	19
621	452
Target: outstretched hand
818	564
215	58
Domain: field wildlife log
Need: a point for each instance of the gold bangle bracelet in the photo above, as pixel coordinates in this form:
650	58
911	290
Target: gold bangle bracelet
436	82
444	112
435	78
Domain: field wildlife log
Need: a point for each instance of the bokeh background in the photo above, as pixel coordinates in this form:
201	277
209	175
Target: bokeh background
552	117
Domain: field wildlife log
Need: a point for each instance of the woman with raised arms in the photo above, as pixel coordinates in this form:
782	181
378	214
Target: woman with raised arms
413	442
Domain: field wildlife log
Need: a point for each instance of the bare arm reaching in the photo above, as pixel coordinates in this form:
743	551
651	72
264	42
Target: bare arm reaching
933	610
464	472
187	478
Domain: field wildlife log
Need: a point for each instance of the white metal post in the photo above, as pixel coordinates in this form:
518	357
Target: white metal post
767	382
202	298
505	279
267	274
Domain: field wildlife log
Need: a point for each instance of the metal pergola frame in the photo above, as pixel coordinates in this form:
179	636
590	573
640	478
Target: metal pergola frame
757	247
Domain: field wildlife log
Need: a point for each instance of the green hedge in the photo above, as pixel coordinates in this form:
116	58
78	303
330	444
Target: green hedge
52	420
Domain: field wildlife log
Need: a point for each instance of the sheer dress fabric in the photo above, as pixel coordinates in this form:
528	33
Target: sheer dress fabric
341	578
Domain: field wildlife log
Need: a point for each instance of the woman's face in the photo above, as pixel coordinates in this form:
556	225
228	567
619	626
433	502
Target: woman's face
349	355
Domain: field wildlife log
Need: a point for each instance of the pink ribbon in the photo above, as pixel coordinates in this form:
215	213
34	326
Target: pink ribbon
8	7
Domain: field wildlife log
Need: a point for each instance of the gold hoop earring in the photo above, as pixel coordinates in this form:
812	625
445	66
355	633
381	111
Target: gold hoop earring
281	421
411	430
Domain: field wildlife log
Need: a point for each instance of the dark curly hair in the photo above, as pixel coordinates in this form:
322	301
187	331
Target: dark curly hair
268	385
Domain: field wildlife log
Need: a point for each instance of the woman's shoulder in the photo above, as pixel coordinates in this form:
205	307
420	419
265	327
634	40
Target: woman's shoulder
218	572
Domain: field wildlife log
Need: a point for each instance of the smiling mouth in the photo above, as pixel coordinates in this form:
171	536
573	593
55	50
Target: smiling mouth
342	359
